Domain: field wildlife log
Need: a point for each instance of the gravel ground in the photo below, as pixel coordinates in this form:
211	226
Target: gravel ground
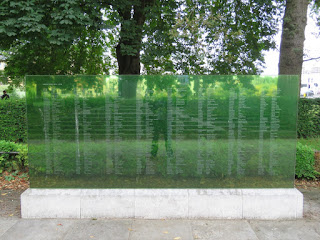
10	203
311	203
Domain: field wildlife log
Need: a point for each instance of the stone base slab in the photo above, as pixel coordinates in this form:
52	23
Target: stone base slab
163	203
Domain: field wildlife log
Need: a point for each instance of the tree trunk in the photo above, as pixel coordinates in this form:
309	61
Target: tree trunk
292	38
128	64
129	46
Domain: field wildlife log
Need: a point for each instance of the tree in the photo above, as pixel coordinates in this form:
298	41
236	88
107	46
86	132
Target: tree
167	36
51	37
210	37
194	37
132	16
292	38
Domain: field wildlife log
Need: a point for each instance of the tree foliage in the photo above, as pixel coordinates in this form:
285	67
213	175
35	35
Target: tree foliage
167	36
209	37
42	22
52	37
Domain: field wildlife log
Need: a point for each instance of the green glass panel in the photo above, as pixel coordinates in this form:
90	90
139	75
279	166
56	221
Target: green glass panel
162	131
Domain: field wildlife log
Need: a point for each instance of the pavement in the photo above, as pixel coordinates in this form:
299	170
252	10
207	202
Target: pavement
15	228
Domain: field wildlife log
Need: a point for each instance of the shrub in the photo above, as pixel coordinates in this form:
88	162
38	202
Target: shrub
308	118
305	162
13	120
22	158
13	162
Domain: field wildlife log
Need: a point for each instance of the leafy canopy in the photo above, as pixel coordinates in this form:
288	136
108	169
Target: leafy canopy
171	36
53	37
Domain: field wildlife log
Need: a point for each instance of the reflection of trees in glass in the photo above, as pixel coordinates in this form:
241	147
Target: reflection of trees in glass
86	85
267	85
159	94
155	86
128	86
90	85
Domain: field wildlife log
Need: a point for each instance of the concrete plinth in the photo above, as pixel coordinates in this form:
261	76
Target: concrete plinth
162	203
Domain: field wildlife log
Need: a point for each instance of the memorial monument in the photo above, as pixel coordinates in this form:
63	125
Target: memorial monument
162	147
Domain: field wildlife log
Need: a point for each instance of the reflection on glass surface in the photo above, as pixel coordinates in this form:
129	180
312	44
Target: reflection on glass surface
162	131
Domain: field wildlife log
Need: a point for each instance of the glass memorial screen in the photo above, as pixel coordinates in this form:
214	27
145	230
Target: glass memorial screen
162	131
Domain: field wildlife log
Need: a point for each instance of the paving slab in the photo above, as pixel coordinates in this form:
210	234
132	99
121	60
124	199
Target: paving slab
222	230
286	230
104	229
39	229
6	224
161	230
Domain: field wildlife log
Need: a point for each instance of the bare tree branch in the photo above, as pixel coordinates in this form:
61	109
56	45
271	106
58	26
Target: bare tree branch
310	59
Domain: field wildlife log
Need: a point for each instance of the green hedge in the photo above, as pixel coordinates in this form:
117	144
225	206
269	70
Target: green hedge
13	162
13	120
305	162
309	118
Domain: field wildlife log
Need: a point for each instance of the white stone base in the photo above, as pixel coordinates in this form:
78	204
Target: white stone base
163	203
